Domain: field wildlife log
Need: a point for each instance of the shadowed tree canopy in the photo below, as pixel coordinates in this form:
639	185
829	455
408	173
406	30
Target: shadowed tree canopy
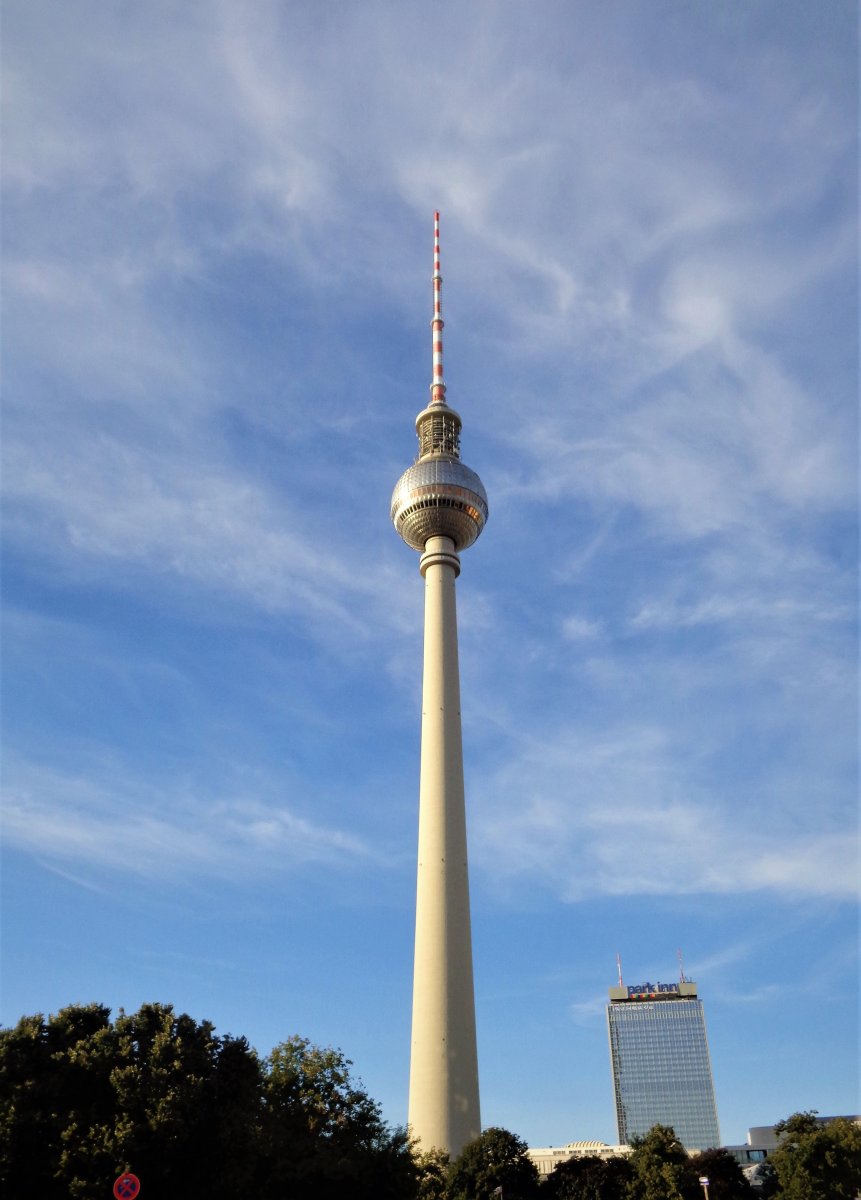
816	1160
433	1168
323	1136
725	1176
83	1099
496	1159
589	1178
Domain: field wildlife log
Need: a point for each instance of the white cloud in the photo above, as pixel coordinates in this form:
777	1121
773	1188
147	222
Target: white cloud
102	503
580	628
216	304
589	1012
718	609
617	235
114	823
624	814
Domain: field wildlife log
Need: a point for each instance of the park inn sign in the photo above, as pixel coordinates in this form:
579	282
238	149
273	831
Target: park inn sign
653	989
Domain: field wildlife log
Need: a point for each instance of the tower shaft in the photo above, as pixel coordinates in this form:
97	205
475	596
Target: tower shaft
444	1102
439	507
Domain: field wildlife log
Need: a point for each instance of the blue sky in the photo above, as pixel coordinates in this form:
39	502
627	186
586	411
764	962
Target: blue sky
217	260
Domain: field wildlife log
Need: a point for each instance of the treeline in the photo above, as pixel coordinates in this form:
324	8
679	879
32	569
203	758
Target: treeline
813	1162
84	1099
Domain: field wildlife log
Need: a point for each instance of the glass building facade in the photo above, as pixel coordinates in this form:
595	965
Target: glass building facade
660	1061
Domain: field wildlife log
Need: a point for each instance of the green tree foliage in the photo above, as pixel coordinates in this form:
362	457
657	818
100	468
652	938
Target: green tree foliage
323	1136
799	1125
725	1176
164	1082
433	1168
661	1168
82	1099
56	1102
816	1161
589	1178
496	1159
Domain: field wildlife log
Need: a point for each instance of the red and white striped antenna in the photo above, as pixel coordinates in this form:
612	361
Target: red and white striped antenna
619	968
438	384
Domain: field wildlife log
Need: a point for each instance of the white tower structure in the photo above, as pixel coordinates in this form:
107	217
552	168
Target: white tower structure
439	507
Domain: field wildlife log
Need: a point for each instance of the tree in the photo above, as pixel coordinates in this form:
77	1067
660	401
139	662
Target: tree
235	1105
816	1160
158	1093
323	1136
725	1176
589	1178
661	1168
82	1099
495	1159
433	1168
800	1124
163	1083
55	1092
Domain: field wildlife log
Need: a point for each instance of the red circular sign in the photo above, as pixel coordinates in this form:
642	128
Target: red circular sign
127	1187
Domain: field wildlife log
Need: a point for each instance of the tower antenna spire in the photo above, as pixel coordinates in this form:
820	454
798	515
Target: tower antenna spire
619	969
682	978
437	383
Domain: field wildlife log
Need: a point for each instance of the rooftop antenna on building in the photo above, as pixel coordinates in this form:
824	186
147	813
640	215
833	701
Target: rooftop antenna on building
682	978
619	969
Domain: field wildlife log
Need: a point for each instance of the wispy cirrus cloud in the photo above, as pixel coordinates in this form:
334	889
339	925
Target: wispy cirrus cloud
576	628
627	815
102	502
216	295
114	822
717	609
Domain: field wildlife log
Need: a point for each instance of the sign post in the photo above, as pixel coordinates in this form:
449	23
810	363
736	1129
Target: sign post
704	1180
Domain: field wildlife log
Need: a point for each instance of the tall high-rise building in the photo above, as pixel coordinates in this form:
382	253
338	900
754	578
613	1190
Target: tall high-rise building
659	1056
439	507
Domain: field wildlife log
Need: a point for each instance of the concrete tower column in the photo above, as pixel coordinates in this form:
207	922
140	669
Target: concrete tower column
439	507
444	1103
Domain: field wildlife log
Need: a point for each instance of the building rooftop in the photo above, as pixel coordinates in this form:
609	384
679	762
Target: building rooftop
653	991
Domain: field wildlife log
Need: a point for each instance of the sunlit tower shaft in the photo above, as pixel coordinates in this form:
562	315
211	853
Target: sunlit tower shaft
439	507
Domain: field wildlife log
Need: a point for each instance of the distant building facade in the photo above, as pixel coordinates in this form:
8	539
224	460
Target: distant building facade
660	1063
547	1158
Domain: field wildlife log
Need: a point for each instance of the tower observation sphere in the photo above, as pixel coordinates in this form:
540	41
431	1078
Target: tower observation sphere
439	507
439	497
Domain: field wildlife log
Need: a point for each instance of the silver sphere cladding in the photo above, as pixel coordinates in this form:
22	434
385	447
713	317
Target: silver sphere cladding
439	497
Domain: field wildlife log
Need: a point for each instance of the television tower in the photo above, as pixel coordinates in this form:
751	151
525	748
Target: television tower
439	507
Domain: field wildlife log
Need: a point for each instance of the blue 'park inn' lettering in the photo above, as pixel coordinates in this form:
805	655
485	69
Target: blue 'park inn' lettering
642	989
